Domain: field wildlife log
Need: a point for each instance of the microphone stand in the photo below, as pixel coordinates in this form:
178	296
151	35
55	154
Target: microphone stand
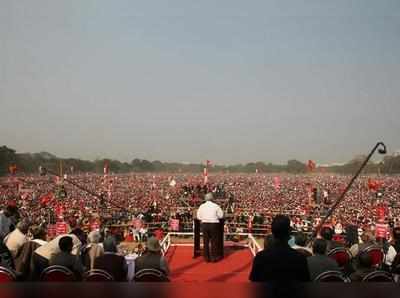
381	150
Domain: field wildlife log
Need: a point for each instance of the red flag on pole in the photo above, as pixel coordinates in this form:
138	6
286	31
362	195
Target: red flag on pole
311	165
106	167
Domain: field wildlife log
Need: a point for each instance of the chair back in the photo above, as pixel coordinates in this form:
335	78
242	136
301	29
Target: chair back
376	254
57	274
97	275
331	276
304	252
7	275
378	276
341	255
150	275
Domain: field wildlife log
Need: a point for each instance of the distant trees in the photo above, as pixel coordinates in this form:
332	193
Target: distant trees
29	163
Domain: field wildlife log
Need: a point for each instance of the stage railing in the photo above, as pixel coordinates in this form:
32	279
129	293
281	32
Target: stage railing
166	243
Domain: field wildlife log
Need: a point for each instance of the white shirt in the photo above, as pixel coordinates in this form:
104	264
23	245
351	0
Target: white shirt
209	212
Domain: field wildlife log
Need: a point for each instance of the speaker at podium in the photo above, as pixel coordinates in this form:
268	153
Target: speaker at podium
209	220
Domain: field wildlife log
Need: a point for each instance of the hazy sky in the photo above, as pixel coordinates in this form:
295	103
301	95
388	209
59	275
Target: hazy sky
230	81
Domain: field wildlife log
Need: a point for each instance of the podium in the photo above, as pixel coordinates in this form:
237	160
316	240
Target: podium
197	229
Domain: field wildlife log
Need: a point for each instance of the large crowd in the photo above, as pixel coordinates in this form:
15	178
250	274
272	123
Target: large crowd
142	206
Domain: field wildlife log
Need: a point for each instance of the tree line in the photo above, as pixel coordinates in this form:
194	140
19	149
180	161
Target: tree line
30	163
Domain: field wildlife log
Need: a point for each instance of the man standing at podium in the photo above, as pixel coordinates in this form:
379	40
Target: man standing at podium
209	213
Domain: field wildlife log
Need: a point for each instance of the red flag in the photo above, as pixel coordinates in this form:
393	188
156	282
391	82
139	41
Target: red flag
106	167
311	165
373	184
13	169
45	199
277	183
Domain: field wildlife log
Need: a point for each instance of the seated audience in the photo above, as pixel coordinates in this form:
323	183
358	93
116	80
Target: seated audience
17	238
300	244
327	234
6	259
42	254
92	250
268	241
111	262
23	263
364	267
66	258
152	258
367	239
280	262
396	239
320	262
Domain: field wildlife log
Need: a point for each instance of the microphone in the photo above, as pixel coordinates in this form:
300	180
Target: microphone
382	150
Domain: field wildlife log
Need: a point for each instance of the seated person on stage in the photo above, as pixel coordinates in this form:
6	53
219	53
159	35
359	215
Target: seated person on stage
209	214
111	262
66	258
152	258
319	262
280	263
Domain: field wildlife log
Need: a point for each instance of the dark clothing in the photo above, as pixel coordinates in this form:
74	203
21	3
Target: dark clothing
151	261
6	259
39	263
210	236
279	263
331	244
113	264
68	260
23	262
320	263
360	274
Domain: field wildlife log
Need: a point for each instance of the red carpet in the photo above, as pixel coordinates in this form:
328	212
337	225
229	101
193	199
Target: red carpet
235	267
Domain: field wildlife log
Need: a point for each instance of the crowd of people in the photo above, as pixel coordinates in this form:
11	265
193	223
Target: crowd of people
141	207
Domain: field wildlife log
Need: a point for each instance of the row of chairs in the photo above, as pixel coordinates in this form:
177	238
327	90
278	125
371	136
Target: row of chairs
63	274
337	276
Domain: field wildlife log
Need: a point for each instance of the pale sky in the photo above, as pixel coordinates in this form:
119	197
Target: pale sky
230	81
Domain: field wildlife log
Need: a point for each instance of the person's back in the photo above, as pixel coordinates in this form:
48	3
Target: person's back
111	262
364	267
152	259
65	258
319	262
280	262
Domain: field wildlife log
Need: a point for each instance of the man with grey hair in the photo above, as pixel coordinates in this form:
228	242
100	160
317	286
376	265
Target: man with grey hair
17	238
209	213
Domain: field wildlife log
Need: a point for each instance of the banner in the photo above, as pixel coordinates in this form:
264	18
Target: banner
381	230
51	231
174	225
61	228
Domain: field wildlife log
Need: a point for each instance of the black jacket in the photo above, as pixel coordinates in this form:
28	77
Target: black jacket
279	263
6	259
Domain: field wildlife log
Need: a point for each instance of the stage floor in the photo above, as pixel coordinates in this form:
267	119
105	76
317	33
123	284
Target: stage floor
235	267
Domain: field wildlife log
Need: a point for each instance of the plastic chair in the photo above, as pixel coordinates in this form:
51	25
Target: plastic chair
331	276
150	275
341	255
378	276
57	274
97	275
7	275
376	254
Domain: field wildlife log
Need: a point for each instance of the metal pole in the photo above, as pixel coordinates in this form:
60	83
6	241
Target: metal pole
382	150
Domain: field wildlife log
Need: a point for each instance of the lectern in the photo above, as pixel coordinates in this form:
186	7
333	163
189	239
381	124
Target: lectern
197	229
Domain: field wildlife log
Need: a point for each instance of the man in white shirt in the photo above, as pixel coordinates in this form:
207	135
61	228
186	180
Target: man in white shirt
209	214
